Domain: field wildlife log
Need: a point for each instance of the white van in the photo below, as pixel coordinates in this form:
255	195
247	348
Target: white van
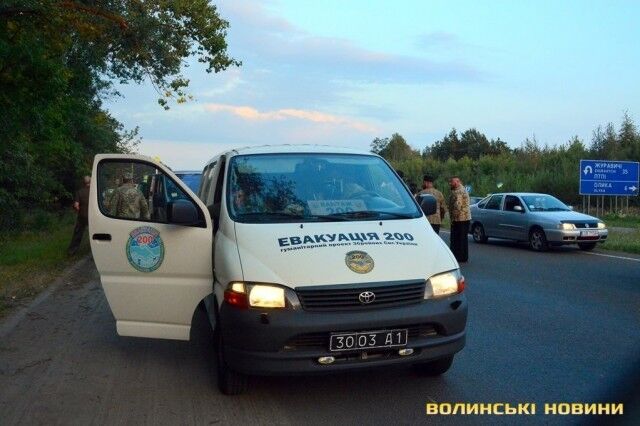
308	259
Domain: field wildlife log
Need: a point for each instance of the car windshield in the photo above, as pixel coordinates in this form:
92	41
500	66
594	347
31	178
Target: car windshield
314	188
544	203
192	180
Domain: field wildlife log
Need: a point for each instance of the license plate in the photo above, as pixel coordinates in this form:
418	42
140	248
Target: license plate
367	340
593	233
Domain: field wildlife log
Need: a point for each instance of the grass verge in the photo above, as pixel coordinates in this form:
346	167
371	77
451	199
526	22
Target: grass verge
627	241
31	260
629	221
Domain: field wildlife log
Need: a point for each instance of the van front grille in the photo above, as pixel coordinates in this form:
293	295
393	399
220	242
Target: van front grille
348	297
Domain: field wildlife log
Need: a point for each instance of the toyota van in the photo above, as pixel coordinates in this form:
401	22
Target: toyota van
308	259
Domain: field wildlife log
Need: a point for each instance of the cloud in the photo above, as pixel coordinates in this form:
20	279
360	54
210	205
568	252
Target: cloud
262	37
252	114
438	38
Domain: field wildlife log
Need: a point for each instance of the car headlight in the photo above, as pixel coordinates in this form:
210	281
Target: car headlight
601	225
244	295
567	226
445	284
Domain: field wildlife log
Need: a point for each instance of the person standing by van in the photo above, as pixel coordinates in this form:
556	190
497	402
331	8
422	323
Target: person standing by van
81	206
128	202
427	188
460	215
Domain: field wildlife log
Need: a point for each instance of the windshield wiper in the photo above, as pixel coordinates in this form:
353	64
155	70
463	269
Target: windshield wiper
289	215
362	214
270	214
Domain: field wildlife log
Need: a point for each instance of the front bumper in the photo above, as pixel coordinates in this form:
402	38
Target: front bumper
573	236
271	342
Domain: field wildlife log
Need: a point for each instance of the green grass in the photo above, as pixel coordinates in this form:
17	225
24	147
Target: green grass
627	221
31	260
625	241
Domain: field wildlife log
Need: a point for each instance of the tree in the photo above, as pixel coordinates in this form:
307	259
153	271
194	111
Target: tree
379	144
58	60
398	149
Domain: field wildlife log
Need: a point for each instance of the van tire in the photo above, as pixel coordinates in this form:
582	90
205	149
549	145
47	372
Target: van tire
230	382
434	368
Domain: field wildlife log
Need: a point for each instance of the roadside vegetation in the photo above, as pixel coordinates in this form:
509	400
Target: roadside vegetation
30	258
624	240
491	165
59	61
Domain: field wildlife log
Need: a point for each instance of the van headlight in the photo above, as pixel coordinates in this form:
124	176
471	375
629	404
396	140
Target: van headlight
444	284
244	295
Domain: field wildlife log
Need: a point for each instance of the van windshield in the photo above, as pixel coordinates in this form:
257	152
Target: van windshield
315	187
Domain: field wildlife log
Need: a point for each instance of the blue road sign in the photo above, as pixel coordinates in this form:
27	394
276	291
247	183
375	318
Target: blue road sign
602	177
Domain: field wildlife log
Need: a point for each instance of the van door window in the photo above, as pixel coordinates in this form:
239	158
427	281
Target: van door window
133	190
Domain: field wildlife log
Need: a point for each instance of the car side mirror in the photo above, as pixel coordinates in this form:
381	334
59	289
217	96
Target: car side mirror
518	209
428	204
182	212
570	207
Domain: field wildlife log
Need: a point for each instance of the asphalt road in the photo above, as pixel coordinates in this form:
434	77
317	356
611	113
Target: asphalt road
562	326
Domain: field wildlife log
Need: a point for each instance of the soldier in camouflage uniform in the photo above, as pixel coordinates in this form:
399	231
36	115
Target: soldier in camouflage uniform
128	202
435	219
460	215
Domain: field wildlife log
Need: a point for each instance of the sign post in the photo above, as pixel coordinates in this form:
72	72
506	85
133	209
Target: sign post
601	177
609	178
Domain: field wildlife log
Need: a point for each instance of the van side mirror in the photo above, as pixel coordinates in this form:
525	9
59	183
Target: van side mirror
428	204
518	209
182	212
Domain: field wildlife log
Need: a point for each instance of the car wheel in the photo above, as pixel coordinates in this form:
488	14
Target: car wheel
434	368
478	234
230	382
538	240
586	246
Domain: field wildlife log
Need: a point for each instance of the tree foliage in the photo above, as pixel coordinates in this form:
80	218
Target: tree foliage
491	166
59	60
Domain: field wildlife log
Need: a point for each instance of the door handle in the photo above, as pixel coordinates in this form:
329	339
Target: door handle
102	237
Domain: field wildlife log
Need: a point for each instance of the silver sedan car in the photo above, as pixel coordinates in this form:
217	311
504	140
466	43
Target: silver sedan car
539	219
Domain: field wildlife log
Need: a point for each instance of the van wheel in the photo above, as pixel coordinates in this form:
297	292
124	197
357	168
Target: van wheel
538	240
478	234
434	368
587	246
229	382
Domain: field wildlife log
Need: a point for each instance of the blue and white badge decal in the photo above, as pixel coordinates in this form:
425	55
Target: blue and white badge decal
145	249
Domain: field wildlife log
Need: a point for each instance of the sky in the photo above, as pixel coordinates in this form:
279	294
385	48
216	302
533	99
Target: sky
345	72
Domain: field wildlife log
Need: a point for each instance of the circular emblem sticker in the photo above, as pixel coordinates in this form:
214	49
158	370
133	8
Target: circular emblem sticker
359	261
145	249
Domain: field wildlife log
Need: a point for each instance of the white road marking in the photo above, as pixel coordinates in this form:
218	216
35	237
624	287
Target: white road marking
615	257
592	254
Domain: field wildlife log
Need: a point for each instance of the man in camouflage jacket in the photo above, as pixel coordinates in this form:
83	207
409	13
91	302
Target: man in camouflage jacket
435	219
460	215
128	202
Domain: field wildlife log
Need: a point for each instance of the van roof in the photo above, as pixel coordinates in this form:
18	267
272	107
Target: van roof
290	148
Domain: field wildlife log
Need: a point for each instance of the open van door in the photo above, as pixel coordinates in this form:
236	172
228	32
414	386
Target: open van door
151	239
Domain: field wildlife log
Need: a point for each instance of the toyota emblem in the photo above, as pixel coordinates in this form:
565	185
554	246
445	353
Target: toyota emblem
367	297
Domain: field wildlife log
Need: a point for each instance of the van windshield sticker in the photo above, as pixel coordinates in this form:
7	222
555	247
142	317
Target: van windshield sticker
326	207
302	242
145	249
